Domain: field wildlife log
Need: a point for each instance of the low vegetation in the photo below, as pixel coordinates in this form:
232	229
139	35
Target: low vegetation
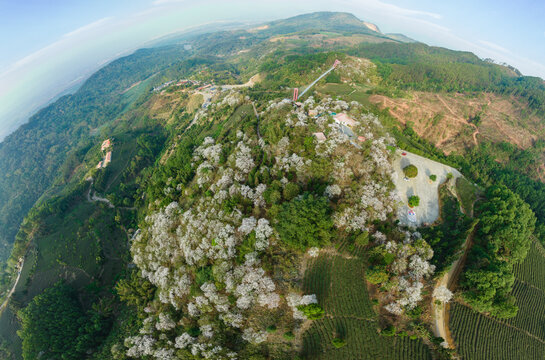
410	171
414	200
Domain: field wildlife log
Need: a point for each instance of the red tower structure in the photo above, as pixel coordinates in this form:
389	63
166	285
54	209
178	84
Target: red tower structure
295	94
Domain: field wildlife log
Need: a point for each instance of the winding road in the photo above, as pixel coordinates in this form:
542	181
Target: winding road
94	197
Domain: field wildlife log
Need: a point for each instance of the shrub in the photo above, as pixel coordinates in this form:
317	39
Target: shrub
291	190
433	177
449	176
272	196
410	171
414	201
414	313
311	311
362	239
390	330
271	328
376	275
289	335
338	342
305	222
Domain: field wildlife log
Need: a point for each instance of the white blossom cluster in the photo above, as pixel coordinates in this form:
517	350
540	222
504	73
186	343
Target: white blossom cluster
313	252
209	154
140	345
176	242
294	300
233	98
442	294
254	337
356	69
179	239
244	161
411	266
332	191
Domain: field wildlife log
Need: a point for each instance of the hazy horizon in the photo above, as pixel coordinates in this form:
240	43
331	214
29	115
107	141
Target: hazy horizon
50	55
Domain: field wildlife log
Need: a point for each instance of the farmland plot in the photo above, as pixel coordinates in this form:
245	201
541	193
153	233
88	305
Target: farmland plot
341	289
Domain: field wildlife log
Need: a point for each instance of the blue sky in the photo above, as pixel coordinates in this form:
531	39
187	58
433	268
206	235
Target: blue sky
47	45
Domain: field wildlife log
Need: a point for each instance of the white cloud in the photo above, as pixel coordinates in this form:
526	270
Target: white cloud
87	27
166	2
494	46
391	9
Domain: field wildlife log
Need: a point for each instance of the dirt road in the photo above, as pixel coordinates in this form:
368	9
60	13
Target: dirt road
93	197
5	303
440	311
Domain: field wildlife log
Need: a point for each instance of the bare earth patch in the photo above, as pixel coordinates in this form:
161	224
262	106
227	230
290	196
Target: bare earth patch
448	120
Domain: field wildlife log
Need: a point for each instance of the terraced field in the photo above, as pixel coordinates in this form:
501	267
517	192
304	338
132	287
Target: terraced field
522	337
482	338
339	283
532	270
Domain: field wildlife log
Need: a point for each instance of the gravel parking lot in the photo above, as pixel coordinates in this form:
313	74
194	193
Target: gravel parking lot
428	210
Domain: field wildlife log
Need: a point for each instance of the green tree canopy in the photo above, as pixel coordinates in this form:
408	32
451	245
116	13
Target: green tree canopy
414	201
506	224
410	171
305	222
503	238
51	324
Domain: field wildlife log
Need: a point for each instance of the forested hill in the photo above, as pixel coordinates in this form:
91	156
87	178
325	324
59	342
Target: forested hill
225	224
32	157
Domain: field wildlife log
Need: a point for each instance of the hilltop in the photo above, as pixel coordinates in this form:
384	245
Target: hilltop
232	222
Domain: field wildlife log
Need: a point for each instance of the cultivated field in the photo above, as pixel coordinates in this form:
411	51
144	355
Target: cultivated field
339	283
482	337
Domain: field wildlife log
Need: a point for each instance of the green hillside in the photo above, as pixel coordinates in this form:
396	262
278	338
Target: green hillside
233	223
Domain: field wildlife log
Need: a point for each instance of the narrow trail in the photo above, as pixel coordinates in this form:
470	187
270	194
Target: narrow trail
5	303
94	197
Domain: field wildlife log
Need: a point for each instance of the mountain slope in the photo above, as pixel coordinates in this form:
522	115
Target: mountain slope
215	177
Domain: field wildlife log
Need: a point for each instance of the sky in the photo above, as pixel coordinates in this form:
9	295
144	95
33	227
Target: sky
47	46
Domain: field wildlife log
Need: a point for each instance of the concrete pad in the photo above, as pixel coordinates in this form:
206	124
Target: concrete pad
428	191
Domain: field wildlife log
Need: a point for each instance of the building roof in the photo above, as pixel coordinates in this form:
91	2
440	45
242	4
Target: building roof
108	158
99	165
105	144
320	136
361	138
345	119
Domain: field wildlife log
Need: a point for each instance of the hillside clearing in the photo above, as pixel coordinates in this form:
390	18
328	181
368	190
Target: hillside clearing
428	210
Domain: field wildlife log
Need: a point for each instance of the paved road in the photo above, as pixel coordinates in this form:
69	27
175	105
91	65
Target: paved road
428	191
